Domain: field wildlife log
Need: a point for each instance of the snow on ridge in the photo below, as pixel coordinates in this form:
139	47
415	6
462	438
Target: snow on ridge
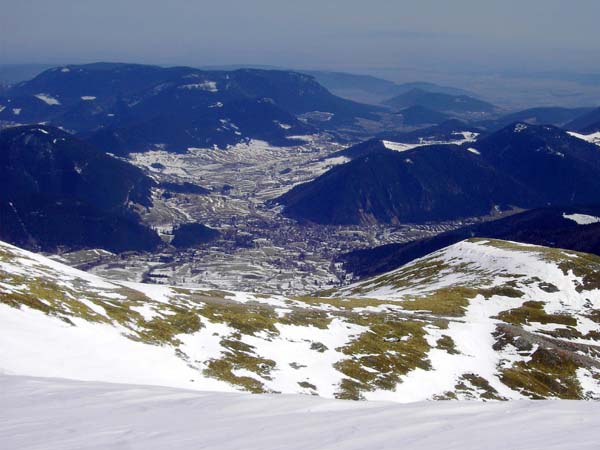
85	349
400	147
466	136
582	219
477	255
32	261
49	100
593	138
209	86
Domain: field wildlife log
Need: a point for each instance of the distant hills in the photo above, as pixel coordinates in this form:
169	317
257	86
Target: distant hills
537	116
420	115
587	123
448	132
519	166
438	101
429	183
59	192
130	107
370	89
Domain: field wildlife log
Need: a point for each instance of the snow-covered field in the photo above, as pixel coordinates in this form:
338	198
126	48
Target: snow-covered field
54	414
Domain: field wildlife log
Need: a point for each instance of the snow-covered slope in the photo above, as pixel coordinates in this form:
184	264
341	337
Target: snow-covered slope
594	138
70	415
481	319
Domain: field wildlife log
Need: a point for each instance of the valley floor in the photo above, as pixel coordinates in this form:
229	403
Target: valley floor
50	414
259	249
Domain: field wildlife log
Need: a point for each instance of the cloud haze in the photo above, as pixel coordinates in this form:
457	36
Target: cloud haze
349	34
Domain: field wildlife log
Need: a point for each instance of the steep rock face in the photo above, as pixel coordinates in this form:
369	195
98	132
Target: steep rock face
59	191
481	319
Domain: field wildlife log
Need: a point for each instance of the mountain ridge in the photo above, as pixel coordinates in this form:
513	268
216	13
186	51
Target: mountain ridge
482	319
522	165
178	107
58	191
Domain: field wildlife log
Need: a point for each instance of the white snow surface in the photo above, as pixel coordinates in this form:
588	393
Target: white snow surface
88	351
399	146
48	99
594	138
582	219
209	86
53	414
461	138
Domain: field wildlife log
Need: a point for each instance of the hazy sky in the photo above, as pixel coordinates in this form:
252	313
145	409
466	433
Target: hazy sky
344	35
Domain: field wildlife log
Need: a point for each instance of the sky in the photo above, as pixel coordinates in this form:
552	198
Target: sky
451	35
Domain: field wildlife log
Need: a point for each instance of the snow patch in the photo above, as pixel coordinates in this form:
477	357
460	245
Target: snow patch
89	351
582	219
47	99
520	127
400	147
284	126
209	86
593	138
